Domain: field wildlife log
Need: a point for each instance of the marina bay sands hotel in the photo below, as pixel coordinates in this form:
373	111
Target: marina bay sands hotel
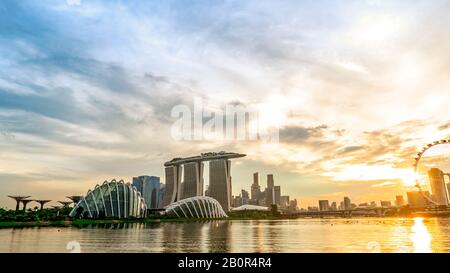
192	185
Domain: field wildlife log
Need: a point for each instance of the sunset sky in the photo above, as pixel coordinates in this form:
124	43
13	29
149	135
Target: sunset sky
356	87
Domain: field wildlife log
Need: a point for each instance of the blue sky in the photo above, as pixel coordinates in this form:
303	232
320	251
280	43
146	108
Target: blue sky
86	90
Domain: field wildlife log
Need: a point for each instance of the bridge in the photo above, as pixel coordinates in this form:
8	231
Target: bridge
378	211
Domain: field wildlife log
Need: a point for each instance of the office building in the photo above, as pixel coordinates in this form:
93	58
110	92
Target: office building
245	197
416	199
438	187
277	195
347	203
333	206
324	205
293	205
385	204
270	191
149	187
284	201
399	201
255	189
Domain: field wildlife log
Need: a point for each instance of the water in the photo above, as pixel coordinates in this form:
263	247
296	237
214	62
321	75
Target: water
300	235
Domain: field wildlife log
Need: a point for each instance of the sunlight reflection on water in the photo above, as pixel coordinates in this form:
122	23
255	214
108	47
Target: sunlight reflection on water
301	235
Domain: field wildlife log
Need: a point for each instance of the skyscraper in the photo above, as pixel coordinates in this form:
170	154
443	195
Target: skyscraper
255	189
193	180
149	187
270	191
347	203
417	200
333	206
245	197
284	201
324	205
220	182
293	205
173	179
277	195
438	187
399	201
270	182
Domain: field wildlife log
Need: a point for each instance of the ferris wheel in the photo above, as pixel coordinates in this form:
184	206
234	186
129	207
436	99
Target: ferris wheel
416	165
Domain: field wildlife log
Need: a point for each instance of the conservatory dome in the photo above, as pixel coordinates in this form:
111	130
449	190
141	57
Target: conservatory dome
111	199
196	207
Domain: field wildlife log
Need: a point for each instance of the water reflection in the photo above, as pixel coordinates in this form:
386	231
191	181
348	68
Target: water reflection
421	238
301	235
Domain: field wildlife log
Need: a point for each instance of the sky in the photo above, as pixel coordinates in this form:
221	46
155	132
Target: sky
356	88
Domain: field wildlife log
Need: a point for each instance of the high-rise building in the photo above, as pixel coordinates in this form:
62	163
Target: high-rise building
277	195
237	201
149	187
270	191
417	200
193	180
385	204
284	201
255	189
220	182
245	197
347	203
438	187
324	205
293	205
399	201
162	192
333	206
173	180
270	181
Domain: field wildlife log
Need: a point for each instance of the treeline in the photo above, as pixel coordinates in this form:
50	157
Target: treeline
48	214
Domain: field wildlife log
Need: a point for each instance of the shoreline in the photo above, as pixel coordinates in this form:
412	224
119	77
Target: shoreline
86	222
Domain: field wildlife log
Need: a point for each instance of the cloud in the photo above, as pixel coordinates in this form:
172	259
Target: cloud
87	87
73	2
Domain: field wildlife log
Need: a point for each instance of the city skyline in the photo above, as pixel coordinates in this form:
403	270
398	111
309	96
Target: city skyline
356	89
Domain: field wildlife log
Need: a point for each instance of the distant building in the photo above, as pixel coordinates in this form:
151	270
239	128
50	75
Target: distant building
293	205
149	187
363	205
270	191
373	204
324	205
313	209
341	205
270	181
385	204
277	195
237	201
284	201
245	197
438	187
417	200
347	203
399	201
333	206
255	189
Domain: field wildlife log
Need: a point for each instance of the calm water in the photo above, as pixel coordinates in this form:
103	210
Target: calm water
302	235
